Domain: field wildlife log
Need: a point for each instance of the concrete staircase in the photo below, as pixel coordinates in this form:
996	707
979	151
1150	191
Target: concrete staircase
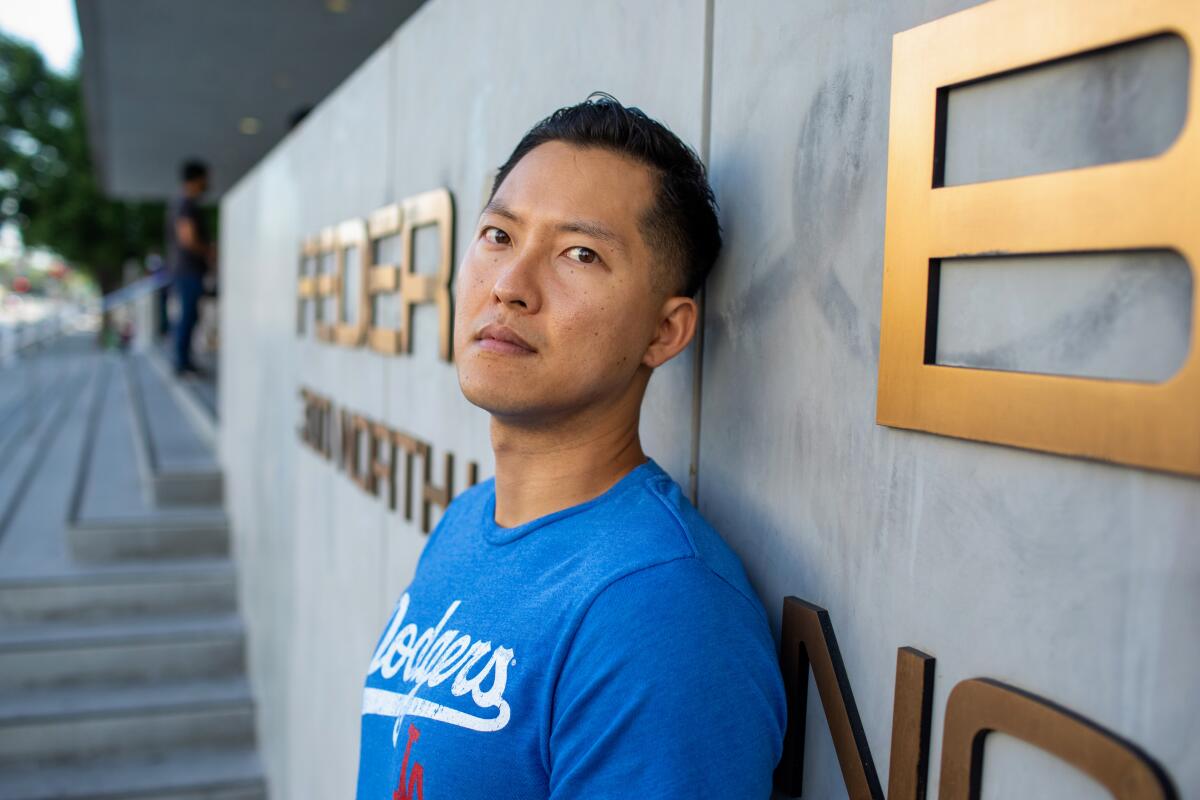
122	664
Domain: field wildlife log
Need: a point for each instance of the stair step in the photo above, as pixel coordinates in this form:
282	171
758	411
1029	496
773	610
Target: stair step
69	703
196	398
174	441
83	722
175	459
122	659
120	652
166	536
186	488
22	457
189	774
105	594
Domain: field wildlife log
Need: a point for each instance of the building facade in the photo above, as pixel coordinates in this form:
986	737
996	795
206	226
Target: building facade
1053	556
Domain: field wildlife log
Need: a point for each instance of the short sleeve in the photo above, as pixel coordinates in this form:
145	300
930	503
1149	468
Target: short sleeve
189	209
670	689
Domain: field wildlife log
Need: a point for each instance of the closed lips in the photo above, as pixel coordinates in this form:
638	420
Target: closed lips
500	333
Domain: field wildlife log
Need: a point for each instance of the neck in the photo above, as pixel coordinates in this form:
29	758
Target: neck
547	467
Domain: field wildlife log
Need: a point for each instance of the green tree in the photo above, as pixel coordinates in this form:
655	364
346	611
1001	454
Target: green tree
48	188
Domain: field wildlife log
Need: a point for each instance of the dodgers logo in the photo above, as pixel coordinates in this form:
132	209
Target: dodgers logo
427	659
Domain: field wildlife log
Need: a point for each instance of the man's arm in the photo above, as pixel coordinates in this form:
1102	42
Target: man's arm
185	234
671	689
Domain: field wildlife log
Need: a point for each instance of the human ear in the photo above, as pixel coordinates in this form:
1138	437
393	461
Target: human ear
676	326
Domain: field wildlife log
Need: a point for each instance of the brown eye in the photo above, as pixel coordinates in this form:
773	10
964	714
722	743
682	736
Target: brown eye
584	255
495	235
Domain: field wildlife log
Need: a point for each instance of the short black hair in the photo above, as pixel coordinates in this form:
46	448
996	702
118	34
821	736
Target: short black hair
683	219
192	169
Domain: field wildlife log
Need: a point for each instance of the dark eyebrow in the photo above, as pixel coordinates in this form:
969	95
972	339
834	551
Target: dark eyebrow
498	208
594	230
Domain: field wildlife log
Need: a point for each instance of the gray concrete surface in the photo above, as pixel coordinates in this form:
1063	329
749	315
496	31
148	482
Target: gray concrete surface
1115	105
1069	579
1100	315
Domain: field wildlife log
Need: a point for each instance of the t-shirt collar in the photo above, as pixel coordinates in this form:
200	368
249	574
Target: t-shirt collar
500	535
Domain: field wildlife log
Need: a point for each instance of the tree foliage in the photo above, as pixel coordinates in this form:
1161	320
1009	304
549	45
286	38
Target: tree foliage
48	188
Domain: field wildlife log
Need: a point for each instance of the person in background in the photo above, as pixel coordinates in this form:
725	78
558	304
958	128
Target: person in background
189	256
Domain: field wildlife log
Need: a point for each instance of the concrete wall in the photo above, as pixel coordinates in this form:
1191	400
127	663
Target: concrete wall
1074	580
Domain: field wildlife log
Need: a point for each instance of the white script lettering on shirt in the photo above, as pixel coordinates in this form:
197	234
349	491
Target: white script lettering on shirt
429	658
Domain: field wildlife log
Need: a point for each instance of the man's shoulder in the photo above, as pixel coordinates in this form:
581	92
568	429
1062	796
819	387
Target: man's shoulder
658	529
184	207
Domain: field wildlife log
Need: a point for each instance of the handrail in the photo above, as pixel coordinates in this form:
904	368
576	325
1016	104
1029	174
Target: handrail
132	291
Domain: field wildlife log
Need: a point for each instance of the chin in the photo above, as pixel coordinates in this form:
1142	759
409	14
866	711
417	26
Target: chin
505	405
498	394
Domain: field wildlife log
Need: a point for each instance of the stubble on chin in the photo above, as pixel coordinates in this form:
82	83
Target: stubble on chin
500	398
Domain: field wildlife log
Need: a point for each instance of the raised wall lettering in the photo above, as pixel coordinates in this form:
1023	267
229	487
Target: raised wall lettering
980	706
1145	203
975	708
315	285
809	641
352	235
369	452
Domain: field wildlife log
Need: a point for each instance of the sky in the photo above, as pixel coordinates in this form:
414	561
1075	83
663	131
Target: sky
48	24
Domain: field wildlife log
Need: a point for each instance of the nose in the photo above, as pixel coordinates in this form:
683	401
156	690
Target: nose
516	284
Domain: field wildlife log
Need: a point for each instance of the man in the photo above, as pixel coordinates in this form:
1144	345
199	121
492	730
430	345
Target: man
189	252
575	629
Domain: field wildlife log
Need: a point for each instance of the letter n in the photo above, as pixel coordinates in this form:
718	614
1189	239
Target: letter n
809	641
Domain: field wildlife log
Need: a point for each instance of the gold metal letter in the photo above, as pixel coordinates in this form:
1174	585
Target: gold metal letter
328	285
979	706
1147	203
381	436
429	208
352	233
432	494
912	718
809	641
306	282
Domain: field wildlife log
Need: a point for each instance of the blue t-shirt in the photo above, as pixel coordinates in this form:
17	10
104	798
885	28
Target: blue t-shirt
611	649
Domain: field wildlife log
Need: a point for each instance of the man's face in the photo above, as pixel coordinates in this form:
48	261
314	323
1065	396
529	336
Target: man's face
555	298
196	187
